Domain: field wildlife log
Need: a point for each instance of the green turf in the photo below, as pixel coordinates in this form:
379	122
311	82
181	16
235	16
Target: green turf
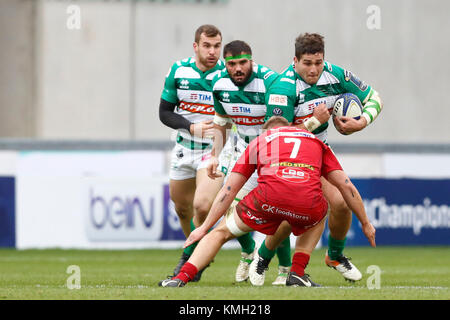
407	273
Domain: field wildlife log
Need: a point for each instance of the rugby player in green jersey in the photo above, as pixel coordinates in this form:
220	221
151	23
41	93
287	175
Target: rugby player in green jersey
187	105
239	97
306	87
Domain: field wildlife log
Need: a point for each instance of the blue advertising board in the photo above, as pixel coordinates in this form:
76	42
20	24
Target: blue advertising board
403	211
171	223
7	212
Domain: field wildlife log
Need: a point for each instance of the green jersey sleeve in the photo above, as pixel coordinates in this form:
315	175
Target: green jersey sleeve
170	90
281	98
216	95
351	83
217	104
369	98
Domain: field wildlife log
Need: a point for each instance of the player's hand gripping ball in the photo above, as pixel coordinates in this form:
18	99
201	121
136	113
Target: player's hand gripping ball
347	105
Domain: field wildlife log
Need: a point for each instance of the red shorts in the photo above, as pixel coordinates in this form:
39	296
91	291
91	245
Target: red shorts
266	218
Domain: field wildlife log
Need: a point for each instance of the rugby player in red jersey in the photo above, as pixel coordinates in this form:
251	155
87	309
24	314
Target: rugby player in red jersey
290	162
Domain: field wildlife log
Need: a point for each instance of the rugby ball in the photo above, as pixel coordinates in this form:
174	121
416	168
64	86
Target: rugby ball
347	105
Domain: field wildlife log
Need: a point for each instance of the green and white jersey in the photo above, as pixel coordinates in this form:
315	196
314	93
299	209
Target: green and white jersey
244	104
291	97
190	88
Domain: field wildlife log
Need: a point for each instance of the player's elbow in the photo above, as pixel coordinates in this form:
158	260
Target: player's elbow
346	187
340	180
163	115
379	100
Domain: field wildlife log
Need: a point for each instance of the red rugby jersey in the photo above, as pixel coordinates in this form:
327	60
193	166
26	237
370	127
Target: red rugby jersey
290	162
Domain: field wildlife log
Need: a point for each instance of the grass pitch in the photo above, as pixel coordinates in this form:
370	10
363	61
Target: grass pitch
406	273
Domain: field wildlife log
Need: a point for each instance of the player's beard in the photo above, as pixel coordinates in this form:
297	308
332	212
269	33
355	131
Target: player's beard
244	80
208	62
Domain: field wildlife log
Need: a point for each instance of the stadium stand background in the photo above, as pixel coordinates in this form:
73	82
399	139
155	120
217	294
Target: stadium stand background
104	80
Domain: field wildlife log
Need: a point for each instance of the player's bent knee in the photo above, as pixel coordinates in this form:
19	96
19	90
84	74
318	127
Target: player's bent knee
201	209
232	224
222	234
184	212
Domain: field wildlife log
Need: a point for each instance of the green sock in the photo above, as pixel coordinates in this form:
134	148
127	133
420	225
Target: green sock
247	243
335	247
189	250
266	253
284	253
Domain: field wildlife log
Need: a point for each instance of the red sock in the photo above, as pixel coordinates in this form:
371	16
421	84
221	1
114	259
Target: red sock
187	272
299	263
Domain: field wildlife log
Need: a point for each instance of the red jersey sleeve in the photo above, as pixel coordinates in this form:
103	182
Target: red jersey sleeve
247	163
329	162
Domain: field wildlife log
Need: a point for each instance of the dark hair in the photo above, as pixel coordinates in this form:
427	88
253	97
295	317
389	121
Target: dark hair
309	43
236	47
275	121
209	30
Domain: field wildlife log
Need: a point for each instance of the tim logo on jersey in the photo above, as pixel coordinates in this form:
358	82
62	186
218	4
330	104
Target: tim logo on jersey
200	97
294	175
241	109
304	111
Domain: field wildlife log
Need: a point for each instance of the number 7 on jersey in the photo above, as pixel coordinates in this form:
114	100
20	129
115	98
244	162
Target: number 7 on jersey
297	142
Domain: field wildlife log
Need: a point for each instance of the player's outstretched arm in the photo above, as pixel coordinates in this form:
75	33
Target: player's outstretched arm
353	199
220	205
221	124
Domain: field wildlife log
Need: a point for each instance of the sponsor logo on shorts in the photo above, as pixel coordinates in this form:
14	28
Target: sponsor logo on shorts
295	175
257	220
275	210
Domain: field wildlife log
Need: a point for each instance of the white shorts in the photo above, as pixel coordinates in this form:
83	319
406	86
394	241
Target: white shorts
252	182
185	162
